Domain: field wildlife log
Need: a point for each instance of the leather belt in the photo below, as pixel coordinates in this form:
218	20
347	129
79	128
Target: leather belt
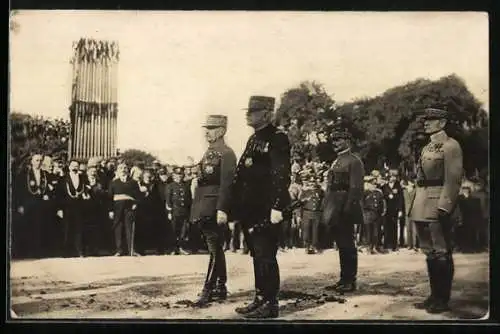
430	183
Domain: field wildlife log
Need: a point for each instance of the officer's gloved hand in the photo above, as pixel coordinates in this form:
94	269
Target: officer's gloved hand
111	215
221	217
276	216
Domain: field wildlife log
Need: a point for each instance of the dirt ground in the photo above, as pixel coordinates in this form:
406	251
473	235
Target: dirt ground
162	287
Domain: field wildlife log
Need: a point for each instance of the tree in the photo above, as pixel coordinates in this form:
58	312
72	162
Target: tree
388	124
138	156
303	111
35	134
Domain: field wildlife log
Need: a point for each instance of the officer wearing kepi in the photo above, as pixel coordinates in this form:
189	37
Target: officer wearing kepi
178	204
342	206
439	177
261	195
210	208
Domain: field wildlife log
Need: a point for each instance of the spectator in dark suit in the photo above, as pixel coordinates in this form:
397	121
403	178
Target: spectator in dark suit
393	195
72	196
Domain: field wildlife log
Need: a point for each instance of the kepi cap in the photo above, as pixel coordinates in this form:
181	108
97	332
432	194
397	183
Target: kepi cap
215	121
258	102
434	113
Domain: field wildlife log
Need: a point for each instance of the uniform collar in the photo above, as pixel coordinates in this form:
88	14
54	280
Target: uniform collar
266	128
347	150
218	143
438	136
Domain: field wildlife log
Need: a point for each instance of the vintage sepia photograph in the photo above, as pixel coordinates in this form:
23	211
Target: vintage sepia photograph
248	165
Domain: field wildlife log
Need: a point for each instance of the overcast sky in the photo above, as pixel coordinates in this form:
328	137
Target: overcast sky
177	67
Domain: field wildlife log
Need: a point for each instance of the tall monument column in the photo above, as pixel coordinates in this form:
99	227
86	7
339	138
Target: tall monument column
94	105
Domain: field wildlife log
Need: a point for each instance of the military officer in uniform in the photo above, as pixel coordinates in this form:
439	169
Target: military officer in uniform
439	177
178	203
261	195
311	198
210	208
374	209
342	207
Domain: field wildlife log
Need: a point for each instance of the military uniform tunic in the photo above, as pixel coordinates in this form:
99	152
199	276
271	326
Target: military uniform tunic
214	183
342	209
344	193
439	177
213	194
311	216
261	184
178	201
262	177
374	207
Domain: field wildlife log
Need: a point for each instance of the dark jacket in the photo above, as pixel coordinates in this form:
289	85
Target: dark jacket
129	188
71	199
394	198
215	180
178	198
312	198
27	193
344	193
262	177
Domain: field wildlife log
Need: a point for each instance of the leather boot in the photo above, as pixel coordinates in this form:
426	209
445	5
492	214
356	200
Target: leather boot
220	292
444	277
432	282
271	275
267	310
259	290
257	302
340	283
205	297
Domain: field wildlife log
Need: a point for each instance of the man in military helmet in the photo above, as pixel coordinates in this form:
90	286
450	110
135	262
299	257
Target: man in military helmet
439	177
211	204
342	207
261	195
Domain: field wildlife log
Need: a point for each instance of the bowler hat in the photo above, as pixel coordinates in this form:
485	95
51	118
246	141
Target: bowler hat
257	102
215	121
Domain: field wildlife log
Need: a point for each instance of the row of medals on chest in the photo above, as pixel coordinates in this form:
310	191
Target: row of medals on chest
43	185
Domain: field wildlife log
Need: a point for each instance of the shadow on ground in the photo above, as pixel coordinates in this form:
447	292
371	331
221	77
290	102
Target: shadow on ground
299	293
152	292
